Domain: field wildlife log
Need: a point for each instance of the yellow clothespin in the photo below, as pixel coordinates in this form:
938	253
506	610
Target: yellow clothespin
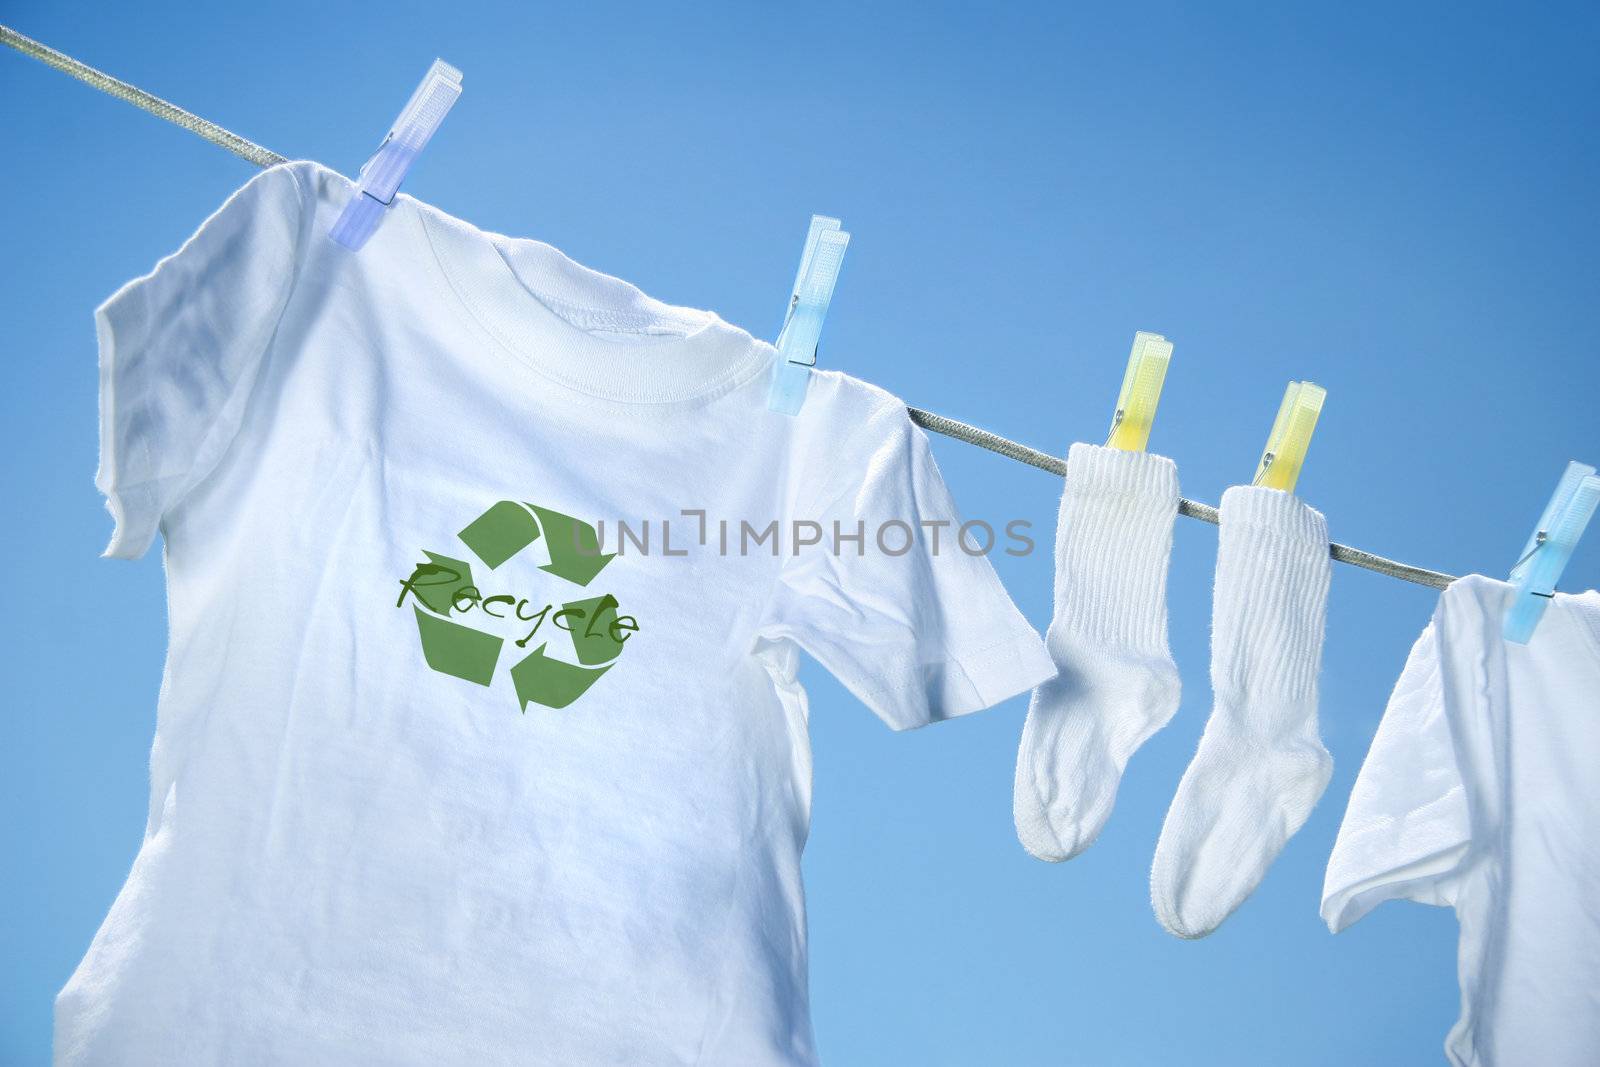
1291	436
1141	391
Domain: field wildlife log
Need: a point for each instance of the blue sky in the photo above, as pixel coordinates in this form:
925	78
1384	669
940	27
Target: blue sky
1395	201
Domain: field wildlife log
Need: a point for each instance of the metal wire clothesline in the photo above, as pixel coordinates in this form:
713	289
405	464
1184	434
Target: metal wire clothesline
939	424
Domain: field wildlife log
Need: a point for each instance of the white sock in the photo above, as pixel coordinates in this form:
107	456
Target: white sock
1261	766
1116	684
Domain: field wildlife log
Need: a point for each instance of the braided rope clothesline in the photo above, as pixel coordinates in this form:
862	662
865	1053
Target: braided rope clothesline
939	424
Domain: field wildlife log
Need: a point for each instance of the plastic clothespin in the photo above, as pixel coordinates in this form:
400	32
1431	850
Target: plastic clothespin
1141	392
383	173
808	306
1546	554
1291	434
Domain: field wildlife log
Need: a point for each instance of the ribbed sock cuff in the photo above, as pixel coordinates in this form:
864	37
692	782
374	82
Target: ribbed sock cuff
1271	598
1113	544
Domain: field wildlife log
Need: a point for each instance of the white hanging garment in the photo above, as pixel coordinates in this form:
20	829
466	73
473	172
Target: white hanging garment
1480	793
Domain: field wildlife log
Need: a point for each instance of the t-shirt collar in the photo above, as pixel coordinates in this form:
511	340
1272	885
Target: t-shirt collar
582	329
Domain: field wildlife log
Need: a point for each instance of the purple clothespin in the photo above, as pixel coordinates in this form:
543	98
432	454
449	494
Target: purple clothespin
383	173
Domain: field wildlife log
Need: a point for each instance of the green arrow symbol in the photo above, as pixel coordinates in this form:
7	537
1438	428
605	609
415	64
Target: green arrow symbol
457	650
591	633
574	547
542	680
500	533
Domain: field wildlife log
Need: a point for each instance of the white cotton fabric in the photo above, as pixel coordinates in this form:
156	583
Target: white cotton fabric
1261	765
1480	793
1116	684
354	857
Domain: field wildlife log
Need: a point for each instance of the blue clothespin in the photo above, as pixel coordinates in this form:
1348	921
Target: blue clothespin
1548	550
808	306
383	173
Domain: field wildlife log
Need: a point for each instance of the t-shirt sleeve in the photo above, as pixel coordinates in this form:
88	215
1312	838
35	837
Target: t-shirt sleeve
1407	831
909	617
180	349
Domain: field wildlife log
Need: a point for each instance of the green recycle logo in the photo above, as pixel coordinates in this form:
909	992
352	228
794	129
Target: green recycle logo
444	585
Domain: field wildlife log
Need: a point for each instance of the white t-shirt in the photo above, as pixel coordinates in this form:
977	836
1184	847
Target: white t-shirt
1482	792
440	774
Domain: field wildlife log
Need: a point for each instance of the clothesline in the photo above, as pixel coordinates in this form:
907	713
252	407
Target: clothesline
263	157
